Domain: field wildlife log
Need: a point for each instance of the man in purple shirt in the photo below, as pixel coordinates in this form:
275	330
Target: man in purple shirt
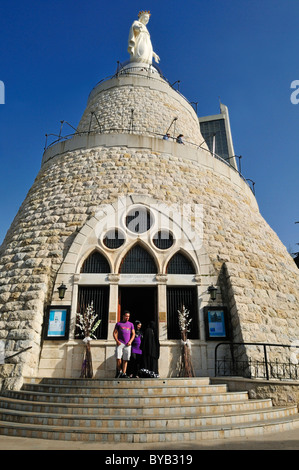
123	334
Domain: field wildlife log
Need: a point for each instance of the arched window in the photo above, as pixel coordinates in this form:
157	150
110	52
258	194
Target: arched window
114	239
176	298
99	297
95	263
163	239
179	264
139	220
138	261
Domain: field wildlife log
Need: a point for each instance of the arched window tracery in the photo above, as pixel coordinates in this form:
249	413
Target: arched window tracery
95	263
180	264
138	261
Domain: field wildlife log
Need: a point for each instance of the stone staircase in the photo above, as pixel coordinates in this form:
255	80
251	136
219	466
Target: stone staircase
137	410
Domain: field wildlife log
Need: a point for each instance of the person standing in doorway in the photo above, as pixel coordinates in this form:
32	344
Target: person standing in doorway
136	353
151	348
123	334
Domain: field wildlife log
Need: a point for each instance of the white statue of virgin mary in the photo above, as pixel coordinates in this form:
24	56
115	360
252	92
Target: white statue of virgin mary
139	45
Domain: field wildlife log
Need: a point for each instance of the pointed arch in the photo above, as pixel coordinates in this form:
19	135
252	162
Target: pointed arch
180	264
95	263
138	261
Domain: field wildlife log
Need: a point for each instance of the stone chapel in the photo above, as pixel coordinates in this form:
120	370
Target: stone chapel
126	217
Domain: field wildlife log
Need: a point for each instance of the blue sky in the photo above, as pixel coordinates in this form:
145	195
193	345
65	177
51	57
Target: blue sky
243	51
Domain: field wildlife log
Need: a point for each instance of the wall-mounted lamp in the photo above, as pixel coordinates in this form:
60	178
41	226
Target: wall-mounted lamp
61	291
212	291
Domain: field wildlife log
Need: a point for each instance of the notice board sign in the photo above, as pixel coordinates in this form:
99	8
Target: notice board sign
216	323
57	322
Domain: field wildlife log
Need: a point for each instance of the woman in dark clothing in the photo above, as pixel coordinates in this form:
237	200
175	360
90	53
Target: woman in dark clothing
151	348
136	352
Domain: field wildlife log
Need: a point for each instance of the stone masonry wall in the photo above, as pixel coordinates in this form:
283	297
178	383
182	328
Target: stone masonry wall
154	102
282	393
263	279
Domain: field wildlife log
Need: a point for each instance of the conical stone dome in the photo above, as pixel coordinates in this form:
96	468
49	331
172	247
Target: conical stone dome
118	158
142	102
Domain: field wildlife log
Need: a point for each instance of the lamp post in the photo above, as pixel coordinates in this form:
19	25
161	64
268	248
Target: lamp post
61	291
213	292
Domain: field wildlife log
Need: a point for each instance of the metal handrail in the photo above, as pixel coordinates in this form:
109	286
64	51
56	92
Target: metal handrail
17	353
136	71
264	345
130	71
130	131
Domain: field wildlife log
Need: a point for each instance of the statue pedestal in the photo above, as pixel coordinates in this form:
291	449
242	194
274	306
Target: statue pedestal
134	67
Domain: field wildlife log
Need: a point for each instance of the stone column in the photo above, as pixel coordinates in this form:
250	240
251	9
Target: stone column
113	303
162	306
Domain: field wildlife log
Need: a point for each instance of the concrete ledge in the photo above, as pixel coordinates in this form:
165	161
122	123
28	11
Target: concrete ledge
154	145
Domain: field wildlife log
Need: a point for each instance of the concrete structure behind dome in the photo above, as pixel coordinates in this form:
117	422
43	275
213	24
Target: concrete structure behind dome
217	133
115	165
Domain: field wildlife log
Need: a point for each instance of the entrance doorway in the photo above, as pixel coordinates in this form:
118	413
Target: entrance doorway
141	303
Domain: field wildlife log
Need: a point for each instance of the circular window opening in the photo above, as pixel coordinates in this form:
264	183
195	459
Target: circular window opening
163	240
139	220
113	239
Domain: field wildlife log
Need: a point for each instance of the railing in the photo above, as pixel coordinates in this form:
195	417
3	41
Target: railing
63	138
146	72
253	368
125	130
102	130
17	353
132	127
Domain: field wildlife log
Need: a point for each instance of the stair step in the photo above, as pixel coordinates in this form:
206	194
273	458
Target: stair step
129	390
138	410
145	382
118	424
124	399
134	410
149	435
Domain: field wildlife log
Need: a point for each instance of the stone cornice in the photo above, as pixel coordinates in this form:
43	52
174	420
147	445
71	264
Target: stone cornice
153	144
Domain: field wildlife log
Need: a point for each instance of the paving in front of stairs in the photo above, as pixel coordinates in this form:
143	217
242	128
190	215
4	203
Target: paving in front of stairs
287	440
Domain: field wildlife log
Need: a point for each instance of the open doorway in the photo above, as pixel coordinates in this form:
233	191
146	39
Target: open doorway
141	303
